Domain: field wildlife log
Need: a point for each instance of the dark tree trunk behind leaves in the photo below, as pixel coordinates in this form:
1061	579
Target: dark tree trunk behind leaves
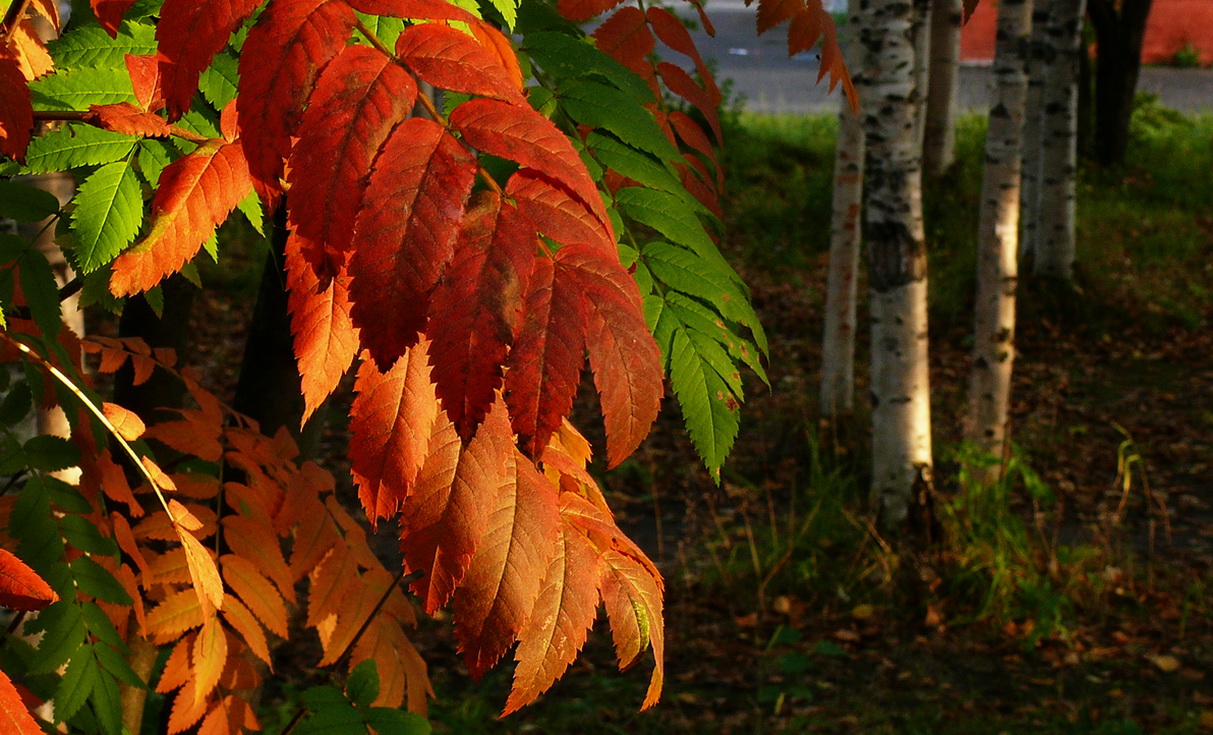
1119	34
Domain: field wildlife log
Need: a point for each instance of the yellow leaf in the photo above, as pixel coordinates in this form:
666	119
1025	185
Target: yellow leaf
203	573
210	656
128	425
1165	662
179	612
163	481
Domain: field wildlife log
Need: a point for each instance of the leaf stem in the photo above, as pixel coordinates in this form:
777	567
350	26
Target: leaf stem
13	17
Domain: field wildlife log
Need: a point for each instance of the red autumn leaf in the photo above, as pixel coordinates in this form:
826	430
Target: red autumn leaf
145	80
20	587
557	213
681	84
674	33
445	516
498	45
109	13
196	194
476	308
15	718
544	366
16	109
390	425
633	600
561	620
326	340
451	59
406	229
279	63
523	135
809	25
582	10
415	9
690	133
125	118
773	12
501	586
359	97
626	37
189	34
623	354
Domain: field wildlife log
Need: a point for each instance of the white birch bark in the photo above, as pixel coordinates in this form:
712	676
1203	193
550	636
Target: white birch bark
1038	70
838	342
998	235
939	136
1055	249
897	266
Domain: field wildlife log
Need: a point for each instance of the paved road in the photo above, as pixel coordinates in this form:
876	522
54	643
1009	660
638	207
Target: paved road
769	81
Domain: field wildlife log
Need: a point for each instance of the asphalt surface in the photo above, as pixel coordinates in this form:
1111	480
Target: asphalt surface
766	80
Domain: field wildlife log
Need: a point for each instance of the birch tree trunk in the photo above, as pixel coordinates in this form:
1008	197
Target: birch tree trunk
897	264
998	236
1033	130
1059	145
838	342
939	134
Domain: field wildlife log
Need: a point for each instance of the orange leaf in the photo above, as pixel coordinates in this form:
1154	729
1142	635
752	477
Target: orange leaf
359	97
326	339
499	591
169	568
557	213
329	581
449	58
186	709
125	118
31	52
126	541
130	427
390	425
182	516
475	308
145	80
163	481
109	13
20	587
179	612
633	601
445	516
195	195
15	718
210	657
402	672
279	63
203	572
189	34
561	620
243	622
255	540
256	592
406	232
177	669
229	716
314	536
623	354
16	108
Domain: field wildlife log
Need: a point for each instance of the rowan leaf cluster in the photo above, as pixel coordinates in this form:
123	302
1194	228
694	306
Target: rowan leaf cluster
480	201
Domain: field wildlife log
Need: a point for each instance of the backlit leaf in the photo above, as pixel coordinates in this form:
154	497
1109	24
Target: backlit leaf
109	13
130	427
108	214
20	587
633	602
557	213
16	112
256	592
359	97
14	715
196	194
452	59
406	229
189	34
209	657
128	119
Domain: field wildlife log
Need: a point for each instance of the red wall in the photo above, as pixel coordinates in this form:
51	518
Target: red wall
1173	24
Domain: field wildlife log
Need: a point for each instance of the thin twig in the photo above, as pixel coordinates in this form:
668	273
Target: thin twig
13	17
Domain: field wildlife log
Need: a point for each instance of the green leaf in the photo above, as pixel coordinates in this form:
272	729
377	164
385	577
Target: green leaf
49	453
201	121
709	337
94	581
563	56
89	45
40	289
107	705
218	81
83	535
99	624
16	404
640	167
109	213
75	145
66	497
667	214
155	156
703	320
315	698
396	722
63	626
116	664
600	106
385	28
362	687
32	523
508	10
709	279
76	89
76	684
250	207
26	203
331	713
708	406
